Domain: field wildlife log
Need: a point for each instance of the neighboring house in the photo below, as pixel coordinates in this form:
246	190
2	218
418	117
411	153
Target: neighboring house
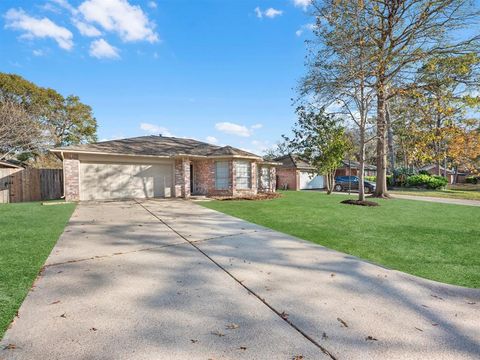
294	173
432	169
158	166
351	168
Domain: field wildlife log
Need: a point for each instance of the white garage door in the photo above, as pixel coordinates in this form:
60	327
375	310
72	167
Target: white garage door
117	181
311	181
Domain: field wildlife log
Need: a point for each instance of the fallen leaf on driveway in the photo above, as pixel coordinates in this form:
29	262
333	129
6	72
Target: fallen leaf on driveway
217	333
55	302
297	357
324	336
418	329
232	326
284	315
371	338
342	322
243	348
64	315
194	341
436	296
10	347
471	303
93	329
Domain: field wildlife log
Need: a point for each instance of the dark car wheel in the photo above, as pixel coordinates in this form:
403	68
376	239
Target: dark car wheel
338	188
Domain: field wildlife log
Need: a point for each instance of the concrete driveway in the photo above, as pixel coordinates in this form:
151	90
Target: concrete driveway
173	280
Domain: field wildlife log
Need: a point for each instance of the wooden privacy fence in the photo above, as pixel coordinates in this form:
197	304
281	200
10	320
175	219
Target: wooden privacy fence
19	185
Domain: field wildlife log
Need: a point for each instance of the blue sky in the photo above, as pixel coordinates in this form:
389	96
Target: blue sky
220	70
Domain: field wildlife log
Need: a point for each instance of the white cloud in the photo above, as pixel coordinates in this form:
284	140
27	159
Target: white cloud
155	129
270	13
38	52
233	129
302	3
86	29
152	4
103	50
38	28
309	26
260	146
257	126
66	5
119	16
212	139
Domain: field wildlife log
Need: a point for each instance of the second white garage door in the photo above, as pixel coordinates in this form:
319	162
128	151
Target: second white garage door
311	181
122	181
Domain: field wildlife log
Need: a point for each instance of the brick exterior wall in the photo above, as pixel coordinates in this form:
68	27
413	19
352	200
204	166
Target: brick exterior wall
203	172
204	179
288	176
71	173
182	178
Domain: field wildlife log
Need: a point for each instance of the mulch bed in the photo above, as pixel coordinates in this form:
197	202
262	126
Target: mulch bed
263	196
360	203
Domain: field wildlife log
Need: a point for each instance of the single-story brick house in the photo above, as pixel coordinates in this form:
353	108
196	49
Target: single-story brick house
432	169
159	166
351	168
295	173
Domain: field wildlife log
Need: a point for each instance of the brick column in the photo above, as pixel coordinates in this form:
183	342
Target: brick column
186	178
182	178
71	177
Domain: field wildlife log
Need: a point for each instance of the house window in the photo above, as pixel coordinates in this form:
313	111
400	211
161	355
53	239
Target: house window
264	178
243	174
222	175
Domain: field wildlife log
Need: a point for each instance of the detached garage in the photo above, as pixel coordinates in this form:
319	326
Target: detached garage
297	174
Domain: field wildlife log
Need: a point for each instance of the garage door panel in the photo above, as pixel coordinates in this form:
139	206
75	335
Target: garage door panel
116	181
311	181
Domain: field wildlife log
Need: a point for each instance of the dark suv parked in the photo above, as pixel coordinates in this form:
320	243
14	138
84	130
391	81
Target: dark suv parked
343	183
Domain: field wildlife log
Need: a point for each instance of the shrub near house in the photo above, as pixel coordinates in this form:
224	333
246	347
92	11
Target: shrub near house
430	182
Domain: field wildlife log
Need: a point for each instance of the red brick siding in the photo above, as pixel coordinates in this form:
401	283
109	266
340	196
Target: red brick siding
289	177
71	173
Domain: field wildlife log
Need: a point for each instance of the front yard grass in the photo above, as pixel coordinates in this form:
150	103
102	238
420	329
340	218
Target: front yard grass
435	241
28	232
466	192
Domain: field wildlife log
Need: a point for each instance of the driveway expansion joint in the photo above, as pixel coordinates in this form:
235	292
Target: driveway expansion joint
250	291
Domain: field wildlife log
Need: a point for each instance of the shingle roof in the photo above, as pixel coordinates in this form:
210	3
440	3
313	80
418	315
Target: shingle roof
356	165
157	146
294	161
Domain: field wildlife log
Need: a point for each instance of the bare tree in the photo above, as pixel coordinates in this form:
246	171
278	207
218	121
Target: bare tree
340	76
18	130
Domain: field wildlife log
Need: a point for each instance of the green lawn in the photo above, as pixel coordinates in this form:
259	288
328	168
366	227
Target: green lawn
471	192
28	232
431	240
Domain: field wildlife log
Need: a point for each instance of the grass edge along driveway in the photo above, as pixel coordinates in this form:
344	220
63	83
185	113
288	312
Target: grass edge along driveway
436	241
28	232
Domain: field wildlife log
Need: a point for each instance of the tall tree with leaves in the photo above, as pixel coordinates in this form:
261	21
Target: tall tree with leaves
64	121
319	139
401	35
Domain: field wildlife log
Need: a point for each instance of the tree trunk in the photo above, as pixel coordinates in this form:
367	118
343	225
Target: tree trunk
361	170
391	150
381	183
330	182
